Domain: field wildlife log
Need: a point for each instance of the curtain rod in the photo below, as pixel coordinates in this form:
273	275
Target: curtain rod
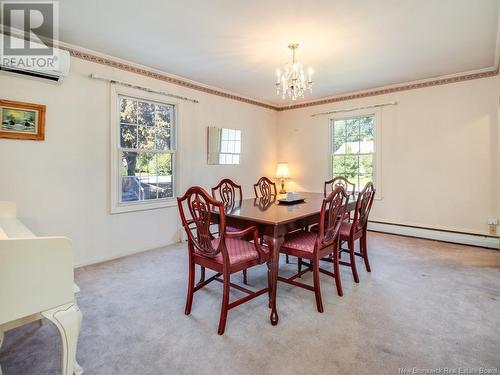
354	109
100	78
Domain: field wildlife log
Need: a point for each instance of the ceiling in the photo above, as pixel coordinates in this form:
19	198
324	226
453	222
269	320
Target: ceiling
237	45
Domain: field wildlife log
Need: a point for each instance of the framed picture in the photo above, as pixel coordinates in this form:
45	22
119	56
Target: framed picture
22	120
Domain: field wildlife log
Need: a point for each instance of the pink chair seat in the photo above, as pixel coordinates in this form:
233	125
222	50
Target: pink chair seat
239	251
232	229
300	240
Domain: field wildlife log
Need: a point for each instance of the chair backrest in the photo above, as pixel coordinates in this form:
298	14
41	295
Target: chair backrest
363	207
228	192
264	188
348	186
201	207
331	216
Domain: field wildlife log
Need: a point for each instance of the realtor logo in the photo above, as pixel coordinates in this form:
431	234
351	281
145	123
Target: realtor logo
30	28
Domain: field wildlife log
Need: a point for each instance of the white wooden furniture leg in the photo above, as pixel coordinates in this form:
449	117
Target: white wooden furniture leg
67	318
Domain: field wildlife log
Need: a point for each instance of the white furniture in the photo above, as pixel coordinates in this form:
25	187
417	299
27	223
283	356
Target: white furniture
36	281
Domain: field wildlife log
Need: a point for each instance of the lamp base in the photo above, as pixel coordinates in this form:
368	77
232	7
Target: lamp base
282	191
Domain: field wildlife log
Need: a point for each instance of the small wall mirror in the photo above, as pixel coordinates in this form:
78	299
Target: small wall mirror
224	146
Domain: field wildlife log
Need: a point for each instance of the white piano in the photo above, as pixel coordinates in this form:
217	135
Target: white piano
36	281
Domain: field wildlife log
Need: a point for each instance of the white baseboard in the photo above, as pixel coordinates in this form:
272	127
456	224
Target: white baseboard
123	254
439	235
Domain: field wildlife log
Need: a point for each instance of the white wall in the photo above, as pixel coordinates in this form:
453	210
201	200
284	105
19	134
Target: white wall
439	151
61	185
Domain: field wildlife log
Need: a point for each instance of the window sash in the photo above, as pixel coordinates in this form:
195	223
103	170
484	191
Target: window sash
172	150
333	138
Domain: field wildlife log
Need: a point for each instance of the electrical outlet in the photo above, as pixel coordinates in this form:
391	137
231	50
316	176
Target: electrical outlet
492	221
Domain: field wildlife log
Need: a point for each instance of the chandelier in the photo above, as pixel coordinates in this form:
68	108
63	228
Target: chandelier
292	82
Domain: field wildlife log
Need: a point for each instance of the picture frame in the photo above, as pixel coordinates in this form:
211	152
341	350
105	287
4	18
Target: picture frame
21	120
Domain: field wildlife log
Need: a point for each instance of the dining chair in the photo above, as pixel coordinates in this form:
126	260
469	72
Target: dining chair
229	193
356	229
328	186
314	246
348	186
225	253
265	188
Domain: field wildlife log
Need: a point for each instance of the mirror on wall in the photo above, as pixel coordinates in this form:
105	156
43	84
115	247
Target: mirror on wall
224	146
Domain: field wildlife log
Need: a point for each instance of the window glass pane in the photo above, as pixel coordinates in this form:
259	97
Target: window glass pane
238	135
338	164
236	159
224	146
146	137
230	146
146	113
339	137
351	168
237	147
367	128
128	136
366	165
130	189
163	138
163	115
128	111
352	133
165	176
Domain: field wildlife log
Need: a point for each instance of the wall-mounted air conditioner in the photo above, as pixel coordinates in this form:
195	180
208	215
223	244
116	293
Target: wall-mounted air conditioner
27	67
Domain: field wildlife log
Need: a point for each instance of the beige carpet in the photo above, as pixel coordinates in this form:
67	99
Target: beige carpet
425	304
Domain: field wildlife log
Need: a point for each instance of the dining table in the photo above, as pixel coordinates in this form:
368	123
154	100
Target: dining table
275	219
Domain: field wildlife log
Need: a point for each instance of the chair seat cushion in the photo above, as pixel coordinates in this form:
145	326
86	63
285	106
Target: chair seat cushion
300	240
232	229
239	251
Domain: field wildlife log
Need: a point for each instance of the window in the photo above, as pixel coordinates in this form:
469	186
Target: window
353	149
145	153
230	146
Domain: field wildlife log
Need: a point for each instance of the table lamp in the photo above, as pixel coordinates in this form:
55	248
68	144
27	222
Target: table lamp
282	173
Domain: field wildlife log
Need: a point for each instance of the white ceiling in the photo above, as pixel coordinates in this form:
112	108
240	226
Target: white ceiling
237	45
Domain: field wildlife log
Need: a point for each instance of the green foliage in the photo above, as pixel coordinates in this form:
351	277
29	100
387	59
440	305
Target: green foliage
145	126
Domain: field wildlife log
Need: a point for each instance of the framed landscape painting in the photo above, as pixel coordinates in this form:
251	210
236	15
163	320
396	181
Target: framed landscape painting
22	120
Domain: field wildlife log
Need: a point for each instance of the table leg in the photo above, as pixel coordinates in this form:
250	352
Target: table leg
274	244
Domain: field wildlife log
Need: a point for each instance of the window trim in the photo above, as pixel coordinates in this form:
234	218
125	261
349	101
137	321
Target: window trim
115	159
377	152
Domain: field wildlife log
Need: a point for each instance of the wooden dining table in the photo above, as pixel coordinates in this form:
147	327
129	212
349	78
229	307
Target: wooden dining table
274	220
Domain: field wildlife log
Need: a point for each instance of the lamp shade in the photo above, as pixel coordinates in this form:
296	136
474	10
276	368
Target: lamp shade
282	170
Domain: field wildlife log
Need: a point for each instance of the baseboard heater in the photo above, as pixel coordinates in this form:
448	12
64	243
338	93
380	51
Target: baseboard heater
436	234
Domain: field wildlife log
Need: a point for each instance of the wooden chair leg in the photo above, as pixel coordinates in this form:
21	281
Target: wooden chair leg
353	261
202	274
299	265
364	251
336	272
225	303
268	283
190	291
286	259
317	289
245	281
